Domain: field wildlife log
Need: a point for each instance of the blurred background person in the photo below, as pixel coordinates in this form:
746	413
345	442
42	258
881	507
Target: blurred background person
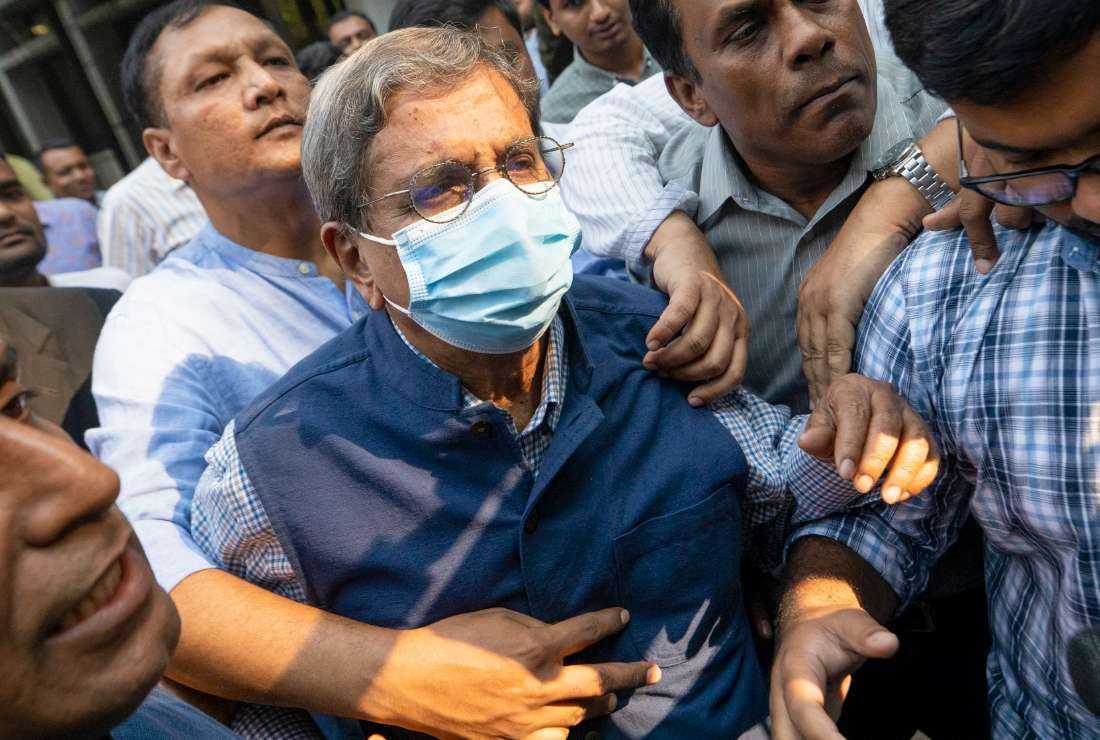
67	171
23	244
349	30
607	51
316	58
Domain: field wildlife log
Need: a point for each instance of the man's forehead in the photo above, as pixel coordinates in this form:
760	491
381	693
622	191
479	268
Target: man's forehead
219	32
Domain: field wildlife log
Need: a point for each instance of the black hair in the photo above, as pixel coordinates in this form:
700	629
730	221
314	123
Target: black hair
988	52
316	58
463	14
50	145
141	73
343	15
658	25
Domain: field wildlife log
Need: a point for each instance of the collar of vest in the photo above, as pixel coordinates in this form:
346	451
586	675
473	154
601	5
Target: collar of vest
426	385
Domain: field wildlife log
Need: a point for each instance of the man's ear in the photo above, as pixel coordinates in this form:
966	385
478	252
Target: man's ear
342	246
161	147
688	92
550	22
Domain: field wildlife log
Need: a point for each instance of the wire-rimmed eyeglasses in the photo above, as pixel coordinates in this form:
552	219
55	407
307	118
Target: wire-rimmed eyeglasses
443	192
1028	188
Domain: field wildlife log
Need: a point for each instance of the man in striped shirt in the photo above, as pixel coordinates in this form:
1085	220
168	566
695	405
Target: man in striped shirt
1004	366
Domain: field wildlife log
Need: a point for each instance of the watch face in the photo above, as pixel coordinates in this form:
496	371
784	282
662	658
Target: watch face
893	156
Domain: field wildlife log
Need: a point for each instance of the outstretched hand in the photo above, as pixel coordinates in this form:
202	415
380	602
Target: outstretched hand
864	428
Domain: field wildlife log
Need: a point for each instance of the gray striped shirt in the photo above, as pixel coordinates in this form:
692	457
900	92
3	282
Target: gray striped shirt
764	246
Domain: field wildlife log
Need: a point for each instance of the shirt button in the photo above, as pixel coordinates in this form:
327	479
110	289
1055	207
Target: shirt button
482	429
531	525
304	268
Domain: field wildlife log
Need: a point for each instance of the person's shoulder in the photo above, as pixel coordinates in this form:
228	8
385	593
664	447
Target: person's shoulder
106	278
69	207
567	97
612	297
346	350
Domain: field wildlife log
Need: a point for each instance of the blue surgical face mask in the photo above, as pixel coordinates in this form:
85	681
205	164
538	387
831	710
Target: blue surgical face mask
490	281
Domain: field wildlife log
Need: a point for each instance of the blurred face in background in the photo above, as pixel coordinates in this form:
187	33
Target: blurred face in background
351	33
68	173
85	632
234	103
22	243
598	27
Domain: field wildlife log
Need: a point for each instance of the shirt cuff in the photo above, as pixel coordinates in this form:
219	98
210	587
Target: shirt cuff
949	113
635	238
171	552
817	487
869	536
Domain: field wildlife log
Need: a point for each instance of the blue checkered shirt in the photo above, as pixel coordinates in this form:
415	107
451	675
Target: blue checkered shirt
229	523
1006	370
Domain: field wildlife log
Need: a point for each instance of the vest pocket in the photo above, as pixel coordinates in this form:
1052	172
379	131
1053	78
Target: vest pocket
677	574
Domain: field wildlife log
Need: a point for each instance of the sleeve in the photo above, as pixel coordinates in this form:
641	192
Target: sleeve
611	182
124	235
229	523
157	419
768	438
901	542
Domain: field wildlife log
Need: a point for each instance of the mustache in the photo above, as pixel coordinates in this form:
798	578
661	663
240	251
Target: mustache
827	74
23	230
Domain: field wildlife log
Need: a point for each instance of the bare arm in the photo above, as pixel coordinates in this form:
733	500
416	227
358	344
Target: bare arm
490	673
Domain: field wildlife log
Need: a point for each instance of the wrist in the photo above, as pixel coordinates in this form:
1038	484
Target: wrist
677	250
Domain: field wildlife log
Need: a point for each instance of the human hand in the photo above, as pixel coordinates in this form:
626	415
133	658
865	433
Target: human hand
865	420
703	334
972	212
817	653
497	673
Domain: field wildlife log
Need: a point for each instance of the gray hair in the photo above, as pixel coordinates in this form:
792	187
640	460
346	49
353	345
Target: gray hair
348	106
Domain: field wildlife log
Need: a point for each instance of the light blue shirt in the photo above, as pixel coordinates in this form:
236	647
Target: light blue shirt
185	350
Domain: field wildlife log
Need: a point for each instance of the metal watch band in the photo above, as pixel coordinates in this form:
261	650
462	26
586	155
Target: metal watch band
916	170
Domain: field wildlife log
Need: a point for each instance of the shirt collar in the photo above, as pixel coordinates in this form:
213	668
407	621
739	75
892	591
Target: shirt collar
1080	253
553	376
649	67
723	178
266	264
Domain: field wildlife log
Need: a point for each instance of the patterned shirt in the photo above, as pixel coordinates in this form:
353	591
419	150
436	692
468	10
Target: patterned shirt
582	82
1006	370
146	215
69	225
229	523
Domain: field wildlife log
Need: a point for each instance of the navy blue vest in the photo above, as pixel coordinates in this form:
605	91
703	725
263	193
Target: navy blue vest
398	507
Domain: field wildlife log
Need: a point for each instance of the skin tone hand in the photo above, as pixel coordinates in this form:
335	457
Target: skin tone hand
827	630
888	217
971	211
864	428
703	334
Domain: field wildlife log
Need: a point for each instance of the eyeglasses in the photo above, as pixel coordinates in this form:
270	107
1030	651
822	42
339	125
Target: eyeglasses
1028	188
443	192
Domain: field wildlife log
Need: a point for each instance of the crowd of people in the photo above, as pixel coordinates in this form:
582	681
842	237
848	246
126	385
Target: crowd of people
570	368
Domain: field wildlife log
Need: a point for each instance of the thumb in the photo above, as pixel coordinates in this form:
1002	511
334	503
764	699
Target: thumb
864	636
819	436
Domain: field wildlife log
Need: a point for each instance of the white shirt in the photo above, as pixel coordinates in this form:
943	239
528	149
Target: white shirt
110	278
144	216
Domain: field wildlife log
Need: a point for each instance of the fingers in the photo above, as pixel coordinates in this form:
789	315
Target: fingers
571	714
591	681
840	335
576	633
697	337
883	433
550	733
915	463
1014	218
945	219
682	305
729	379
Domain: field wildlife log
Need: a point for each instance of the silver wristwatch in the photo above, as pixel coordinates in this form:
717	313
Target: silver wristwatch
906	160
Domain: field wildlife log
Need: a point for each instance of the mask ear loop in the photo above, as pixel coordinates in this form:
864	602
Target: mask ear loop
388	243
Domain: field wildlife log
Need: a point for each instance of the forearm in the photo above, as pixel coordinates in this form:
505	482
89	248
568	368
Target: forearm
822	573
243	643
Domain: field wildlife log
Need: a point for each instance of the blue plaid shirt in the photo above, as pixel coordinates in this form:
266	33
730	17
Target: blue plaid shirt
230	525
1006	369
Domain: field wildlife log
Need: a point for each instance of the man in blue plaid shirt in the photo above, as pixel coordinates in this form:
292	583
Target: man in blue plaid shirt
1006	369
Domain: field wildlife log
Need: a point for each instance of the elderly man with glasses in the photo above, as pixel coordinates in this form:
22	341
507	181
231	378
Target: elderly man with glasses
487	437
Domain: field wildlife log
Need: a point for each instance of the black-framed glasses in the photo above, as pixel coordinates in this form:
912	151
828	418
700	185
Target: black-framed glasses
443	192
1028	188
